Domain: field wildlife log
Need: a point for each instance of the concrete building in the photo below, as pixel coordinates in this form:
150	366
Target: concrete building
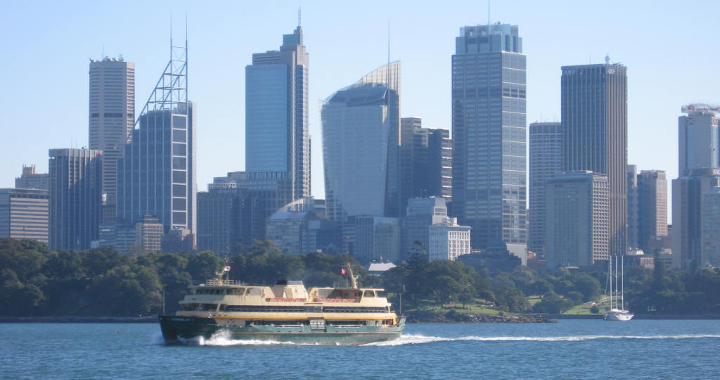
24	214
111	119
633	208
277	140
652	209
360	146
156	174
75	198
489	133
545	164
149	234
420	215
710	219
594	117
577	215
698	144
687	193
32	180
448	240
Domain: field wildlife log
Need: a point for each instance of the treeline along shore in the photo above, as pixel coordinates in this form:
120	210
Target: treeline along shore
37	285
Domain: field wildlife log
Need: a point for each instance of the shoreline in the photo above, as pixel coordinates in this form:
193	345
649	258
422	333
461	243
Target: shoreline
413	318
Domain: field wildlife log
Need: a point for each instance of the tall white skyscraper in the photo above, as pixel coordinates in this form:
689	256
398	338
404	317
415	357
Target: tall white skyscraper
112	117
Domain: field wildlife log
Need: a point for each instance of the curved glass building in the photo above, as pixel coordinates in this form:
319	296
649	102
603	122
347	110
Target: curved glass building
361	126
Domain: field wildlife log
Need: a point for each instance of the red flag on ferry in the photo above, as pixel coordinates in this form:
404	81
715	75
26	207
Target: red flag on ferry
343	271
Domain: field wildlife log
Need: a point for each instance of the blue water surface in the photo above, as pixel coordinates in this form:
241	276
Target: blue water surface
570	349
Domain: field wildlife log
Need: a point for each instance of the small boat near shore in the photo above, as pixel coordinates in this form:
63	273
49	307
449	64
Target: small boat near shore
285	312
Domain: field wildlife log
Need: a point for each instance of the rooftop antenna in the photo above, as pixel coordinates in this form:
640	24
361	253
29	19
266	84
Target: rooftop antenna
103	53
388	43
607	59
489	16
299	17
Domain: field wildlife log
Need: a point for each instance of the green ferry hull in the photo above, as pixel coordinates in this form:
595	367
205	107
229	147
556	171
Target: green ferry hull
183	330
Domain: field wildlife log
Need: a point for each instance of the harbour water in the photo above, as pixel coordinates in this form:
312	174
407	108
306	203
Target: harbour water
570	349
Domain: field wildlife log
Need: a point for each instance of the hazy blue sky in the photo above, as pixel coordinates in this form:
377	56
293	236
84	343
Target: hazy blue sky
669	47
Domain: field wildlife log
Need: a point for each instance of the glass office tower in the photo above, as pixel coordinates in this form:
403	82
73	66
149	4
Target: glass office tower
277	139
360	146
488	130
156	175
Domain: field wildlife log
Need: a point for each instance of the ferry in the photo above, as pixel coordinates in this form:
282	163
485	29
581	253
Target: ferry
285	312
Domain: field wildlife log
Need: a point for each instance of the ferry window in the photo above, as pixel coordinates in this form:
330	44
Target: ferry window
381	293
369	293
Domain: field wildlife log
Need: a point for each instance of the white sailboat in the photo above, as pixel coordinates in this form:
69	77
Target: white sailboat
617	310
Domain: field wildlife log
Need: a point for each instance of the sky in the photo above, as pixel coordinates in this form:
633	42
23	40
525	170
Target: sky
668	46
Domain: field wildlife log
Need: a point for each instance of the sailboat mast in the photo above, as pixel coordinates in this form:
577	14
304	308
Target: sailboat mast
610	277
622	283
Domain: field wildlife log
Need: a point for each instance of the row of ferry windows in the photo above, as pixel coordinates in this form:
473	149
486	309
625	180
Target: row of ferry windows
254	291
282	309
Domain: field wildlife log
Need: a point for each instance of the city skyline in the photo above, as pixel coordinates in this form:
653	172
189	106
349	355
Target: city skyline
653	105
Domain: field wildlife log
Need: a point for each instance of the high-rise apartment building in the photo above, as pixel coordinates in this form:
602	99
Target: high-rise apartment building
32	180
75	198
545	164
24	214
277	140
488	130
360	146
156	174
577	214
652	208
111	118
594	118
698	142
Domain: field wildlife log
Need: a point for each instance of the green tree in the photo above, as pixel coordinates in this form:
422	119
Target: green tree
204	265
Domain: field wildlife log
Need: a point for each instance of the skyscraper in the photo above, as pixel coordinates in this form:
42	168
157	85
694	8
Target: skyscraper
426	160
488	129
112	116
156	175
277	141
698	138
360	146
75	198
652	207
577	219
594	116
699	170
688	193
545	164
